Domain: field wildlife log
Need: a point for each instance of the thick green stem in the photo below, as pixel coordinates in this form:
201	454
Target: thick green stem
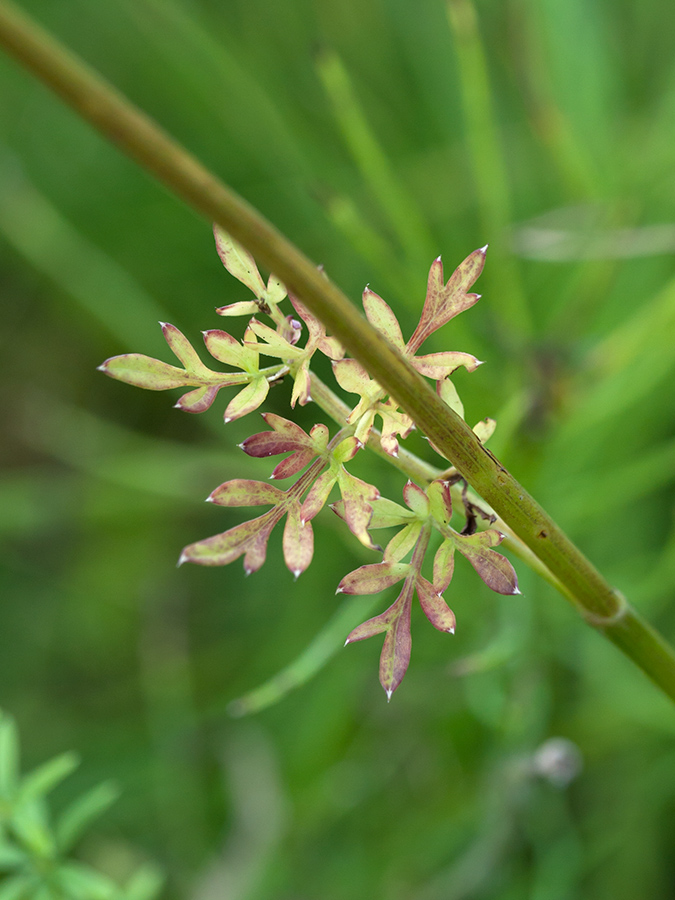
114	116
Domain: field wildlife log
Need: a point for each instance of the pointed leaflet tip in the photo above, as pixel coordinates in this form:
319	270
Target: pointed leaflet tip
183	558
296	574
483	250
389	692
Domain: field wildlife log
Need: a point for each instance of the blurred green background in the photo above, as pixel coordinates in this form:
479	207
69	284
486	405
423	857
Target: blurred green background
376	134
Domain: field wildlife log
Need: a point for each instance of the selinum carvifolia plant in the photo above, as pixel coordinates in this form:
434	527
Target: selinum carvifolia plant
533	534
317	462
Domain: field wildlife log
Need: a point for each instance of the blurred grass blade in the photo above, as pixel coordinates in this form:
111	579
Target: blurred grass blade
324	646
18	888
31	826
145	884
9	755
487	162
77	817
230	92
369	243
101	287
373	163
43	779
81	882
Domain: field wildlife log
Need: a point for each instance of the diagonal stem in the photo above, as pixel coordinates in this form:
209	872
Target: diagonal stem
140	138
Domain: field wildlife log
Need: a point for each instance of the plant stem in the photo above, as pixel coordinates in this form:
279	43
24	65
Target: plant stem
135	133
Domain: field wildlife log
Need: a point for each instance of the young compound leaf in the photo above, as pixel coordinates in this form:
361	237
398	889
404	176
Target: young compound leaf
298	542
445	301
226	349
395	655
380	315
155	375
495	570
182	348
243	492
440	501
484	430
247	400
238	262
317	340
248	540
444	566
287	437
402	542
439	365
198	400
302	386
416	500
387	514
358	497
318	494
448	394
274	343
434	606
144	372
373	579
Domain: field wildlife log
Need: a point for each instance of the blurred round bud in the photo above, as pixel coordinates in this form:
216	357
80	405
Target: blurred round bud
558	760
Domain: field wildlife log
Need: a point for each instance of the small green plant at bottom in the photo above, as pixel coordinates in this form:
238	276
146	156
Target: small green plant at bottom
36	848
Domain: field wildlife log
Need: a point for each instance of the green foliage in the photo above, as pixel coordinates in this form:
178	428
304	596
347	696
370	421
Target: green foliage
104	646
35	848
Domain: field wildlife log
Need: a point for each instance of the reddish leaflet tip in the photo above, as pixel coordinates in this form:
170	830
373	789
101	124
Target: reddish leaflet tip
181	559
438	258
226	419
163	324
389	692
483	250
340	591
296	574
209	499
